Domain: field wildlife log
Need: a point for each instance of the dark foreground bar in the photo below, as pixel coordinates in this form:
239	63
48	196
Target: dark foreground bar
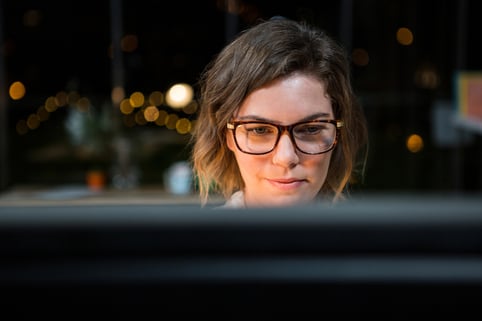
385	258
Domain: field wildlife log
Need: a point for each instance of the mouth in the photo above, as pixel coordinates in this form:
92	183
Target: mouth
286	183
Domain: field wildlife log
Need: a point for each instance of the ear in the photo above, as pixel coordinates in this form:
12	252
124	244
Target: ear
230	140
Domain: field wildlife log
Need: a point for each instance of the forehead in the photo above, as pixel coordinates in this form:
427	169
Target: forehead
287	100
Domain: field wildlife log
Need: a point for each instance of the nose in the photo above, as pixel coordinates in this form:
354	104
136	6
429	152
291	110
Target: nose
285	152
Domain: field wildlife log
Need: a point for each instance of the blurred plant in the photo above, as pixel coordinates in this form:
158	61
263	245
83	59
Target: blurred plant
91	131
97	139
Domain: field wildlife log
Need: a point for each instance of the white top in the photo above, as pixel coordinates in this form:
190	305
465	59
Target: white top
235	201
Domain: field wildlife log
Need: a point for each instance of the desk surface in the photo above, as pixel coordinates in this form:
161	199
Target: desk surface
82	195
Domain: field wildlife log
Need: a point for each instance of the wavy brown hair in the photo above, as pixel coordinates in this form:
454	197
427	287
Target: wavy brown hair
259	55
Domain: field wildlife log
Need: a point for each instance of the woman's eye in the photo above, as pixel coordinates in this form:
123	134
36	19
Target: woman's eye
312	129
260	130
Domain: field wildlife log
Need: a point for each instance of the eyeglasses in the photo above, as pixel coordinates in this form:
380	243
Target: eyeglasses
310	137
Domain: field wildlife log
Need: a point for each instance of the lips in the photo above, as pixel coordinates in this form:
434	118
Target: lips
286	183
285	180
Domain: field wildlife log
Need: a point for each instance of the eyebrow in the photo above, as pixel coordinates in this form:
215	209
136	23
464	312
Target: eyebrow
307	118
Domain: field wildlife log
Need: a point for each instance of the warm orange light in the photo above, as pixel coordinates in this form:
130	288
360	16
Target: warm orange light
404	36
171	121
156	98
61	98
137	99
151	113
161	118
183	126
139	118
33	121
51	104
16	90
414	143
126	107
95	180
117	95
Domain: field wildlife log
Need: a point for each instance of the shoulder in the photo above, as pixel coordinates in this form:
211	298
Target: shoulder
235	201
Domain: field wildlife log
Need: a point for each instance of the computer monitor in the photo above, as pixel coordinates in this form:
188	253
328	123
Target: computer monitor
390	258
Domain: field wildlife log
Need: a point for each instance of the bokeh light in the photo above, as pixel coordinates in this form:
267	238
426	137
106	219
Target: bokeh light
179	95
404	36
151	113
414	143
17	90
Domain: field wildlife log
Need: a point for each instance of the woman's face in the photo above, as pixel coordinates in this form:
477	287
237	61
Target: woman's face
284	176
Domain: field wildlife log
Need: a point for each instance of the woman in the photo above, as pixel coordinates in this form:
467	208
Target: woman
279	124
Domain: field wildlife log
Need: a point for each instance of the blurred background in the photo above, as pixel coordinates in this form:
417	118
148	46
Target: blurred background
102	94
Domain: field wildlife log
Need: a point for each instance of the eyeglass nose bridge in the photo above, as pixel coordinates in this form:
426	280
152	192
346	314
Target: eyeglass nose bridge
281	130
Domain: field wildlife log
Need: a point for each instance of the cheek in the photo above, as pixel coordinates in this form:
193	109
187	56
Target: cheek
246	162
319	166
251	167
